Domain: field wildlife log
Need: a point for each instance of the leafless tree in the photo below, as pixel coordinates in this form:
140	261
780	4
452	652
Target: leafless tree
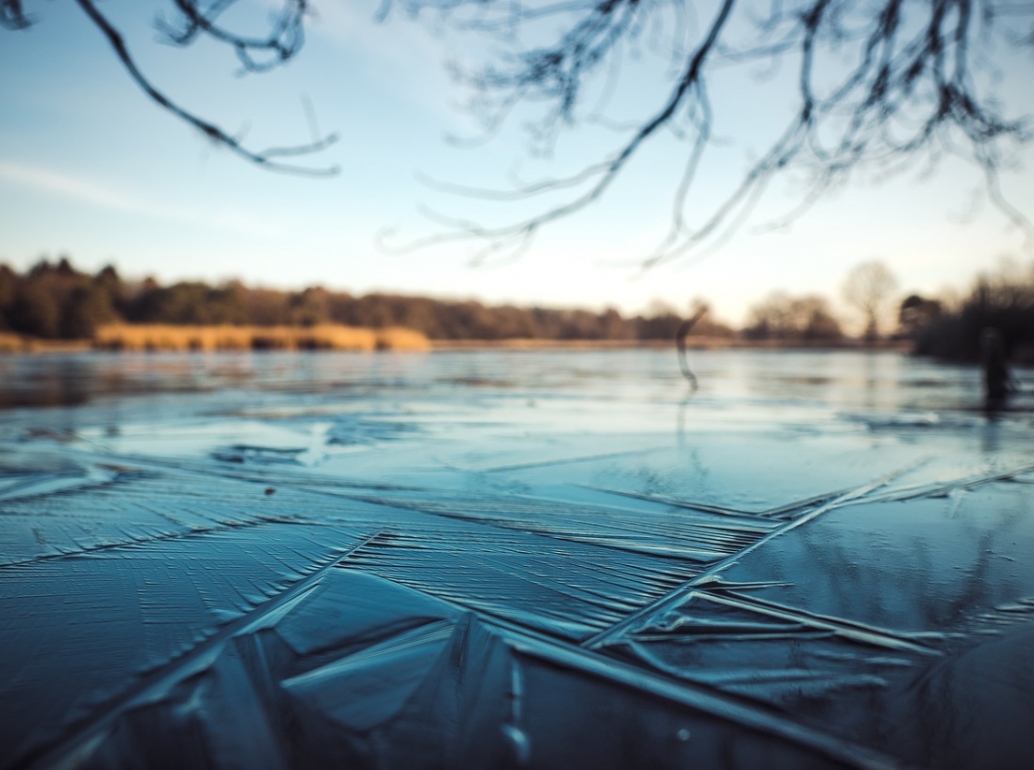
868	288
187	22
917	312
782	317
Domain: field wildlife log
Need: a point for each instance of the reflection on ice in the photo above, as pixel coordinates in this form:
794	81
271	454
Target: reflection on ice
510	559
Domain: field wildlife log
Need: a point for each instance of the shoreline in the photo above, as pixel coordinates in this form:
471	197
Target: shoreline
33	346
692	343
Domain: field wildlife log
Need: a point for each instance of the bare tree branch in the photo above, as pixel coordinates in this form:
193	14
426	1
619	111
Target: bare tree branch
12	15
283	41
880	85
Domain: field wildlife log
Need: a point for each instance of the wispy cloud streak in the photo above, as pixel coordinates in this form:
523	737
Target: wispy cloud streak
86	191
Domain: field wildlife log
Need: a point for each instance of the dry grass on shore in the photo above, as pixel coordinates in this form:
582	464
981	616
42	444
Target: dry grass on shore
18	343
10	343
321	337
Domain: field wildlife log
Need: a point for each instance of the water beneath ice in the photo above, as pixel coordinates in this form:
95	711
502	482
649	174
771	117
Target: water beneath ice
513	559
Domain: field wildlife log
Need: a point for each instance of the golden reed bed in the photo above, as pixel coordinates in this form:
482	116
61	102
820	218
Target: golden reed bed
321	337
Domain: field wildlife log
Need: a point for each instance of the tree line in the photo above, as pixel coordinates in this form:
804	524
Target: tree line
54	300
1002	299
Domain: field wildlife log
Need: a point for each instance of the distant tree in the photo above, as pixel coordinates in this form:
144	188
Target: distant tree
88	307
189	302
782	317
64	268
868	289
310	307
660	323
50	300
916	312
516	323
613	326
267	307
109	281
8	290
35	311
1001	300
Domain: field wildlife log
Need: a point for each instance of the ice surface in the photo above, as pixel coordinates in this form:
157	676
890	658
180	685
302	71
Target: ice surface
512	559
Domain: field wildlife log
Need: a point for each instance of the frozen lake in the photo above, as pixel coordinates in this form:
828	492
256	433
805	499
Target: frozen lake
513	559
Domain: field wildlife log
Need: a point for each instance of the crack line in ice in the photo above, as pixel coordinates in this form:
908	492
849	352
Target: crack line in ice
730	680
698	540
672	501
858	632
938	489
561	461
696	697
677	595
784	511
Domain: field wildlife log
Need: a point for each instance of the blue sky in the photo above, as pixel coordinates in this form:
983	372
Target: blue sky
91	168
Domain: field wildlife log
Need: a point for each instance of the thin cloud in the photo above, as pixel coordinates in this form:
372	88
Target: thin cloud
53	182
85	191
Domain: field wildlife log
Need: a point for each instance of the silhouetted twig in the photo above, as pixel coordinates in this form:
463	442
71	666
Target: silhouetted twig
912	91
12	15
195	19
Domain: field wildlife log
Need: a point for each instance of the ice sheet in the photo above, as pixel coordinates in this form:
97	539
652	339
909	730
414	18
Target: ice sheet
512	560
